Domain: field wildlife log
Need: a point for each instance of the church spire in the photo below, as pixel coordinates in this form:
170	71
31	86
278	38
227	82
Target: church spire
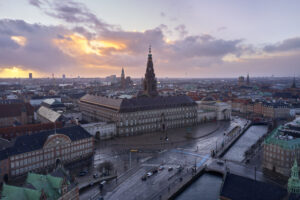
123	82
150	82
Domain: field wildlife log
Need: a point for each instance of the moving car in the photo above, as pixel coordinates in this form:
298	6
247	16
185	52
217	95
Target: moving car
96	175
149	174
170	169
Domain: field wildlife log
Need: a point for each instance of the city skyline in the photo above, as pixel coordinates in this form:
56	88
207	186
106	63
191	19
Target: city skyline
188	39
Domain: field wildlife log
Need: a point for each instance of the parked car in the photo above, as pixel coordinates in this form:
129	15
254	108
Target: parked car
161	168
154	171
170	169
82	173
96	175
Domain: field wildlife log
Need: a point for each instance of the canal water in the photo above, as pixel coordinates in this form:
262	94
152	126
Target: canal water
236	152
206	187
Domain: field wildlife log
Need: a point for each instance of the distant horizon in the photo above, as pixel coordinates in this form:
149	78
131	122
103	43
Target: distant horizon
188	39
27	78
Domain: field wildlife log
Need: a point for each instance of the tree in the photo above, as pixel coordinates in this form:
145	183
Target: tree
105	167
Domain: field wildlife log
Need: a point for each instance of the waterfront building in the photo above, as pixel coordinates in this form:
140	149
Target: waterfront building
278	110
282	147
148	112
45	150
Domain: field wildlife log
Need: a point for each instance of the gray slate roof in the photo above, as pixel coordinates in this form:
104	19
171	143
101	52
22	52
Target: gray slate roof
27	143
138	103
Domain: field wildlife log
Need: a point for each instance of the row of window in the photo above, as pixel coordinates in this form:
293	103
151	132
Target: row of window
44	163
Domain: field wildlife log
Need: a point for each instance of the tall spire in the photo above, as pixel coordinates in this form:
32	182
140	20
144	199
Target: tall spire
123	83
150	82
248	79
294	83
294	182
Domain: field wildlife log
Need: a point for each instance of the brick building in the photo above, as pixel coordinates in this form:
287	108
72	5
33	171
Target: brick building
15	131
16	113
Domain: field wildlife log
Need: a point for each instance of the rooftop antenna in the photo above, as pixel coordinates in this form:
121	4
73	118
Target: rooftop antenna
54	127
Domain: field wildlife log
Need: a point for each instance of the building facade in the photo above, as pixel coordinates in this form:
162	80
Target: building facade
147	112
46	149
209	109
282	147
101	130
16	114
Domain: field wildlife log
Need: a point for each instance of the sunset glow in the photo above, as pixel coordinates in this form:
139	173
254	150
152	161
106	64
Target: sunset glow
16	72
20	40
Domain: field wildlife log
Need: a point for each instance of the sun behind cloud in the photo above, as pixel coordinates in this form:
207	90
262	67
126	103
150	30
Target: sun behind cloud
20	40
77	44
17	72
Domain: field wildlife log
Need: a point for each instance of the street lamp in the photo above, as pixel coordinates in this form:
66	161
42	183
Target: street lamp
132	150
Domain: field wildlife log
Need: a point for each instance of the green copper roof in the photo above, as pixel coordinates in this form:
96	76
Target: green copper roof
285	144
10	192
294	182
50	184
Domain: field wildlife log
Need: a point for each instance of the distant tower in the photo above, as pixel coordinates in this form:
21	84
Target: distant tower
294	182
150	82
64	76
294	83
30	75
123	81
248	79
241	81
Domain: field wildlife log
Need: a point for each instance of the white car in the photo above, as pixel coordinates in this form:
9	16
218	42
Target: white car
149	174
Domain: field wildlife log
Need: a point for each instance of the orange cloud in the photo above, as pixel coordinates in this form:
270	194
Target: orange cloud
76	44
20	40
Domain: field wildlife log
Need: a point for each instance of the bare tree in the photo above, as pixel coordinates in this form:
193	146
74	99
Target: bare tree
106	167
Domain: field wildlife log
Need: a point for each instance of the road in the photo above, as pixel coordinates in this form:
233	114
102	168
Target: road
179	150
187	155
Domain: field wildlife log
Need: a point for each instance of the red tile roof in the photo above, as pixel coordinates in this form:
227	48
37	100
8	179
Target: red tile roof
13	110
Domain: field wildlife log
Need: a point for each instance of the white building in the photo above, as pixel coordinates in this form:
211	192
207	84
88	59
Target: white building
46	115
37	100
209	109
101	130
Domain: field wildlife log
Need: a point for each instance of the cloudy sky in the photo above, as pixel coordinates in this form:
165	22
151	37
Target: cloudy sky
189	38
